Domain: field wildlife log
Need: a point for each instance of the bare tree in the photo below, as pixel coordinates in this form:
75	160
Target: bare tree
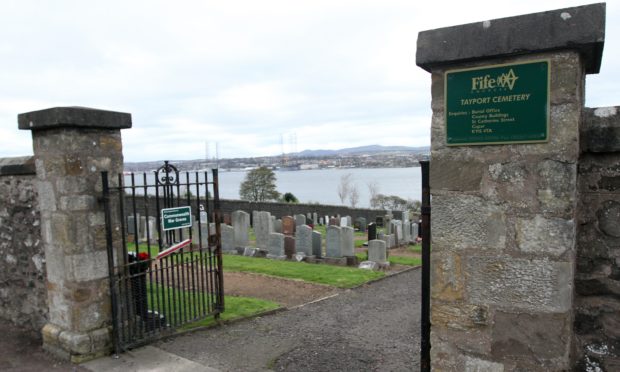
373	190
344	187
354	196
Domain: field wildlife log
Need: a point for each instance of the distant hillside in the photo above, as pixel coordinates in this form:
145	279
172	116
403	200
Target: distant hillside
371	149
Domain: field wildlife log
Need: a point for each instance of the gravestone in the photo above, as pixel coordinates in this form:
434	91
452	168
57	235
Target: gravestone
288	225
345	221
300	219
347	245
148	229
360	224
334	221
387	223
254	218
303	240
406	232
317	244
262	229
241	227
377	251
327	220
379	221
333	242
276	246
289	246
228	238
315	218
200	234
227	219
321	221
308	216
133	227
372	231
277	226
415	232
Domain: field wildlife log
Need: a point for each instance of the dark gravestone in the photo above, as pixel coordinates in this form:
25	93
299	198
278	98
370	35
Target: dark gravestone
288	225
379	221
372	231
227	219
289	246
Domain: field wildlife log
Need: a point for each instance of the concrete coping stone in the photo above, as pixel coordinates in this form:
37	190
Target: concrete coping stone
580	28
73	117
22	165
600	129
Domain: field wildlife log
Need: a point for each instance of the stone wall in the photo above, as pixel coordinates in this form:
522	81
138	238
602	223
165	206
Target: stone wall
597	277
23	295
287	209
227	206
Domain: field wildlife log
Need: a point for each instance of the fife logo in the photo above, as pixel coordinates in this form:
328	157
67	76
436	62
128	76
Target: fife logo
505	80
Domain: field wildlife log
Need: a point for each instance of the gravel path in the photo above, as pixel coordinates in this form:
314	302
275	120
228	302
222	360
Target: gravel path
375	327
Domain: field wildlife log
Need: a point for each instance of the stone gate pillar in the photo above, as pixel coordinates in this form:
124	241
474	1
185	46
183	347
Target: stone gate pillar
72	145
507	100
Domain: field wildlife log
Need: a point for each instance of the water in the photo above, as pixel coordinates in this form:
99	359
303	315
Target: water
321	185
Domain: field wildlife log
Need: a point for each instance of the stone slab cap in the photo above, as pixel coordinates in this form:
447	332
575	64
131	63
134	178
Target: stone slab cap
23	165
600	129
580	28
81	117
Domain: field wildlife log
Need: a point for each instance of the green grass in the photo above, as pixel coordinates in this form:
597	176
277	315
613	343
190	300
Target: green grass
235	307
401	260
409	261
337	276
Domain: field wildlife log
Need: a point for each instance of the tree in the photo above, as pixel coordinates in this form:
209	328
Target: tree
344	187
288	197
259	185
395	203
354	196
373	190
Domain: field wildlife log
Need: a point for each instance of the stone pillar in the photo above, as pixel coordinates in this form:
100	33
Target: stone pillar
503	217
72	146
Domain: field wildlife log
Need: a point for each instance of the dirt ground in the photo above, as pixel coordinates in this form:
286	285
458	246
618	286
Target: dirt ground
287	292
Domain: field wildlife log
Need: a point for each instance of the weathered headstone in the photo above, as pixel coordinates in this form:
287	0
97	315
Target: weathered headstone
289	246
360	224
347	245
368	265
372	231
315	218
345	221
288	225
317	244
387	223
332	242
406	232
133	227
262	229
241	226
377	251
321	221
303	240
228	238
334	221
276	246
415	232
277	226
200	234
300	219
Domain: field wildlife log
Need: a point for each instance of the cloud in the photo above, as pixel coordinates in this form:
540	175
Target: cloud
241	73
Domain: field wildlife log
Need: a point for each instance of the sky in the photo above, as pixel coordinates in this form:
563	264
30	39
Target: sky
243	78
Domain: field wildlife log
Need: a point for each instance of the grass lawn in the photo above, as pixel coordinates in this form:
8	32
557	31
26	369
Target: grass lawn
235	307
337	276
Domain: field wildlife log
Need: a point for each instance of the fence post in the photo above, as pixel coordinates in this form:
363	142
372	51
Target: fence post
72	145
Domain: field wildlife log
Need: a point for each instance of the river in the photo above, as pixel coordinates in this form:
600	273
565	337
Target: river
321	185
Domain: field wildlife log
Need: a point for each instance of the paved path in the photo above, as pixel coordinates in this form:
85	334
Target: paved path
372	328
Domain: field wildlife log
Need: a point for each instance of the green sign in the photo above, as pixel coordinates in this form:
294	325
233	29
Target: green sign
497	104
176	218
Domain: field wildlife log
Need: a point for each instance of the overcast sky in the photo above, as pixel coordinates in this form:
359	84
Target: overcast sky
249	75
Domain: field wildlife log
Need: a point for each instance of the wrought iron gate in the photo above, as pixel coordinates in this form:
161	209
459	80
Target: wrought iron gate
164	252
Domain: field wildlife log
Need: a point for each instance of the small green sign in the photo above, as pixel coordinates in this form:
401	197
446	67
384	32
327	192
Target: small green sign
497	104
176	218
